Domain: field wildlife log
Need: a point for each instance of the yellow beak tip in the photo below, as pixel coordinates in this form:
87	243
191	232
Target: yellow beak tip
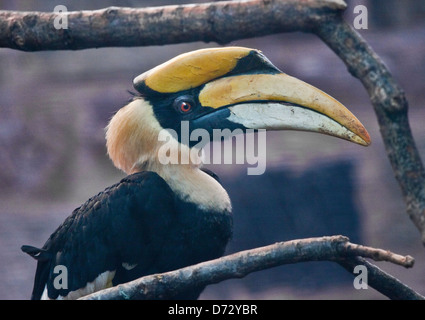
363	139
364	135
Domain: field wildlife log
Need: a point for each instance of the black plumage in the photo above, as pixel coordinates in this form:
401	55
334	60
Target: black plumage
138	222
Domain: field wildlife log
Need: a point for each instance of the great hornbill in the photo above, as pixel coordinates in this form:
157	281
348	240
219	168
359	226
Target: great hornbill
163	217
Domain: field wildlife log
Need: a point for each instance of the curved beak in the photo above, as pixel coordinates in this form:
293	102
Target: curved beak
279	102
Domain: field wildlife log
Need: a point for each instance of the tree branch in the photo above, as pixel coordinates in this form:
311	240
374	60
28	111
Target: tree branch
238	265
391	108
219	22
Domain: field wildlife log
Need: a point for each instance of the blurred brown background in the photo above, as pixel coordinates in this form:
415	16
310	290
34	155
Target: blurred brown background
54	107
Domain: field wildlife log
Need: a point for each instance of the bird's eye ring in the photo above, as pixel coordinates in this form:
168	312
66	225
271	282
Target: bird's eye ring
184	105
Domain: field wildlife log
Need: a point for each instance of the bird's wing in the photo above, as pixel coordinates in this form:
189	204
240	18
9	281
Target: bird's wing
104	239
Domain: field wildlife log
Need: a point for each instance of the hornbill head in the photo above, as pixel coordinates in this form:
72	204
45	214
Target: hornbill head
220	88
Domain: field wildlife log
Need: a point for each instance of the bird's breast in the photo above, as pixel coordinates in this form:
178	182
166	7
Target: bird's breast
198	235
197	187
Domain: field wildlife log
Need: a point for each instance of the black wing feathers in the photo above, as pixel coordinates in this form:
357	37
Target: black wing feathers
127	223
37	253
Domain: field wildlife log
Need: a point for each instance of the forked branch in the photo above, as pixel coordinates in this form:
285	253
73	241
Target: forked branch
238	265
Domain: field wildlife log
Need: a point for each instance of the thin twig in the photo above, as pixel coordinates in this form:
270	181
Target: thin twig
381	281
379	254
238	265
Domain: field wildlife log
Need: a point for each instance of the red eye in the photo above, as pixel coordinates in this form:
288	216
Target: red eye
185	106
